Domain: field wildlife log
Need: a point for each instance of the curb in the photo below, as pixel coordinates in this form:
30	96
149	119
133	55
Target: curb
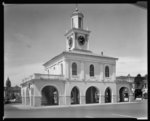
24	107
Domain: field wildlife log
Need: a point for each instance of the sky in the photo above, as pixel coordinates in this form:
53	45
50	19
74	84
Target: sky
34	33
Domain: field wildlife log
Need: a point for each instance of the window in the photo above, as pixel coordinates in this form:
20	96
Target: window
79	22
61	68
91	70
106	71
74	69
72	23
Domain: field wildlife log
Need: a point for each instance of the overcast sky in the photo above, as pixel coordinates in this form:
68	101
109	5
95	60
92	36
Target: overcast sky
33	34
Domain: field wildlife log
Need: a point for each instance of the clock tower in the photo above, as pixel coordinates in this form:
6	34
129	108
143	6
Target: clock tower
77	37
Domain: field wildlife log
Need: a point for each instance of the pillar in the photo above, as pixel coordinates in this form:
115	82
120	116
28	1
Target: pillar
82	100
99	98
131	98
30	100
37	100
114	98
61	100
102	98
67	100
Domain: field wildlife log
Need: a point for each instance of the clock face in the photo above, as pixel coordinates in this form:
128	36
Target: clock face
70	43
81	40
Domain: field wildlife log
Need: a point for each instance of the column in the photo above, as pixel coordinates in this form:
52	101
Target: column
30	103
131	97
99	98
82	99
37	100
67	100
114	98
82	71
67	69
25	96
61	100
102	98
113	72
22	95
33	95
101	72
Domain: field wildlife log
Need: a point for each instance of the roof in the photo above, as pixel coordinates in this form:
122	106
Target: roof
125	79
77	12
15	88
78	52
77	30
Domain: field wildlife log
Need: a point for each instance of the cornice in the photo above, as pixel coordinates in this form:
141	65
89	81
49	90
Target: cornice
78	30
81	53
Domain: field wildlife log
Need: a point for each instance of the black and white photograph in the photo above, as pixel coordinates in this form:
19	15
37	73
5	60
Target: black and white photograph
75	60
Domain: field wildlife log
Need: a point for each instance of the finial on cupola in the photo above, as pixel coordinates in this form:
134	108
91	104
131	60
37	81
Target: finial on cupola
77	7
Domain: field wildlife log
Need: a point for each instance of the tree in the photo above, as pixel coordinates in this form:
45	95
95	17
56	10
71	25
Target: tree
8	83
8	89
139	83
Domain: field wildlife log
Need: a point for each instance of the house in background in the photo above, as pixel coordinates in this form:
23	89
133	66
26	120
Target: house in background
145	88
129	80
12	93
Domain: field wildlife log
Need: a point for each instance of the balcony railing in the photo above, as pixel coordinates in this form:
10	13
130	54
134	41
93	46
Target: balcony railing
43	76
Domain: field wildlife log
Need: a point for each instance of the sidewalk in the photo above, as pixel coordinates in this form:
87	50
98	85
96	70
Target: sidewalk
25	107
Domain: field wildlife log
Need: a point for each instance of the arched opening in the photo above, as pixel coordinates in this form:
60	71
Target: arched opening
92	95
107	95
75	96
124	94
49	96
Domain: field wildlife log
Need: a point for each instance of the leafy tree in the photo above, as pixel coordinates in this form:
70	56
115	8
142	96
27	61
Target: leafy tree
8	83
8	89
139	82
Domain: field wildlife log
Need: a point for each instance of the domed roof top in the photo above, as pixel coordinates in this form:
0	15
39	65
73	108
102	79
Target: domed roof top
77	12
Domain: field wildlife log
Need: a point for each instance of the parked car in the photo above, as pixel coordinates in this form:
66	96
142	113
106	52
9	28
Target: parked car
13	100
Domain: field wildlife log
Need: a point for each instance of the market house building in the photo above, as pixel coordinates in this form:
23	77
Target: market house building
75	76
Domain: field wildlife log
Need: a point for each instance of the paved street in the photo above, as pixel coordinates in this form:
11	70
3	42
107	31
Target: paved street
124	110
